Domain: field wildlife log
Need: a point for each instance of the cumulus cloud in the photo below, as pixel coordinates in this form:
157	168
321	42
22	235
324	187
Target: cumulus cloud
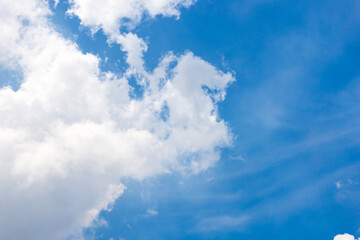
70	133
111	15
344	236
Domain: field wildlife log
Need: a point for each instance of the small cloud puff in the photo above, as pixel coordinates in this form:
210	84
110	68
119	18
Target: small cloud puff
151	212
344	236
338	184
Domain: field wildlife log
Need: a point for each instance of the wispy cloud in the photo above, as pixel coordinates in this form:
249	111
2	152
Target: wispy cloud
222	223
151	212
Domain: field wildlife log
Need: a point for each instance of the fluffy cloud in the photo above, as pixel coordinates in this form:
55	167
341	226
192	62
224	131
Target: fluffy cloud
344	237
70	133
111	15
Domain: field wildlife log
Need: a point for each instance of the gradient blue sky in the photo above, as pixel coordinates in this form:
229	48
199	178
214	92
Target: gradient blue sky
293	169
294	110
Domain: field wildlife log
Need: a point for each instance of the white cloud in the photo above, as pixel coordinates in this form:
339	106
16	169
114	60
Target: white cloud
338	184
151	212
344	236
71	132
135	48
110	15
56	2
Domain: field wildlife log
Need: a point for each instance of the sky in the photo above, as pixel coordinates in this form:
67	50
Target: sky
179	119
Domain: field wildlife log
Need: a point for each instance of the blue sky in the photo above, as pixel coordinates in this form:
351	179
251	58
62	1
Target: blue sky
292	171
294	112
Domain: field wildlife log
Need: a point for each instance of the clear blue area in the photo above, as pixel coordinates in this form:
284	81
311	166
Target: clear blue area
294	110
10	77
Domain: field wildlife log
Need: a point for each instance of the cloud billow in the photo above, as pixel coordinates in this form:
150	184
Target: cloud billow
71	132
